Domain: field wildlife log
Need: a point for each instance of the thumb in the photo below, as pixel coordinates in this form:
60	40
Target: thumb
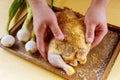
90	31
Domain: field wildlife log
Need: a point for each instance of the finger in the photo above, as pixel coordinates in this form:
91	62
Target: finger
99	36
90	30
56	30
41	47
40	41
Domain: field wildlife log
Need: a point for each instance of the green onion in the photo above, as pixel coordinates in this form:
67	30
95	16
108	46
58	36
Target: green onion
29	16
23	34
12	11
8	40
51	4
31	46
32	35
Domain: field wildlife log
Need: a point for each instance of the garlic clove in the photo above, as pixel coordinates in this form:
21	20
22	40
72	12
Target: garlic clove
8	40
31	47
23	35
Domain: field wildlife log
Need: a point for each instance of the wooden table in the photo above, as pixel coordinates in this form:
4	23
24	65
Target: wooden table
15	68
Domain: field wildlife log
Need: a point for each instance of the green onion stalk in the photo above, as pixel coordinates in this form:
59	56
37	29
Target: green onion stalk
51	4
8	40
31	46
24	34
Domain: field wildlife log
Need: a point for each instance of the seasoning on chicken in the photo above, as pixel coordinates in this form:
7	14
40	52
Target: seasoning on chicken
73	49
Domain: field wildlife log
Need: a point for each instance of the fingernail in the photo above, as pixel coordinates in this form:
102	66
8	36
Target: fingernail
89	40
60	37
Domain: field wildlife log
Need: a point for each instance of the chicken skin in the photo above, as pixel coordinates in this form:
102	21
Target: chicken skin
73	49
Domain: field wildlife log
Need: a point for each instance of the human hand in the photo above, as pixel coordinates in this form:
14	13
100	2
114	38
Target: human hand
44	18
96	25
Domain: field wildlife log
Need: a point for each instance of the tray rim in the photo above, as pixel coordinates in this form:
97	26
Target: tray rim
111	62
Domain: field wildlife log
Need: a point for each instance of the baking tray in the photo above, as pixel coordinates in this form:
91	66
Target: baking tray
100	58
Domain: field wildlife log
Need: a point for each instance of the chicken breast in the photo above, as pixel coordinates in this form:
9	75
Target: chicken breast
73	49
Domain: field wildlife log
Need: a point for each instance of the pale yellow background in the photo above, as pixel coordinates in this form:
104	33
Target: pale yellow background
15	68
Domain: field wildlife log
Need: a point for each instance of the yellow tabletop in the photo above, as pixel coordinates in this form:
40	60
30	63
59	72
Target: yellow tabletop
15	68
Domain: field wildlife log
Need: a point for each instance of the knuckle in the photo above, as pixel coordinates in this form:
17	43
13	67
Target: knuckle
90	33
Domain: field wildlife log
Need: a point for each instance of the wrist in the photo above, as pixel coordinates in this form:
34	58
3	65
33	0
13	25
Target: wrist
35	4
99	3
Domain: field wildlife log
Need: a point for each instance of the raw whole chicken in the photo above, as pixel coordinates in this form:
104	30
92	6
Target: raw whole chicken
73	49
